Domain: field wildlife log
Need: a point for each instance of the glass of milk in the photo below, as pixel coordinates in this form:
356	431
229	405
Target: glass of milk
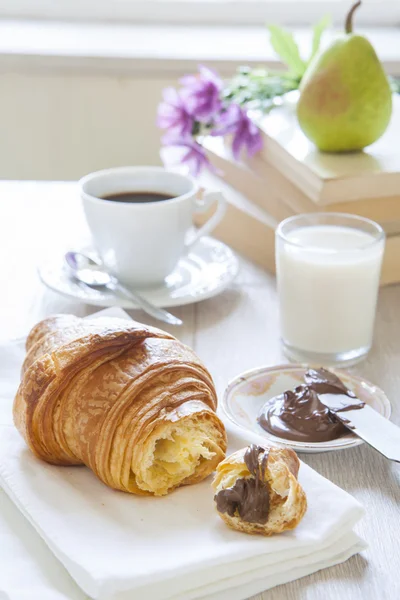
328	269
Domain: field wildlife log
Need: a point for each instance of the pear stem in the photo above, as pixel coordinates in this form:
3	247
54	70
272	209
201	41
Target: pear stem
348	27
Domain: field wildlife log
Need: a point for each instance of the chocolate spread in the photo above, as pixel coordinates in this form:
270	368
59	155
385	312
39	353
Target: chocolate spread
299	415
248	496
323	381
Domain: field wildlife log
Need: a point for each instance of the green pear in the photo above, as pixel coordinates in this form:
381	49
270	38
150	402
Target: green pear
345	98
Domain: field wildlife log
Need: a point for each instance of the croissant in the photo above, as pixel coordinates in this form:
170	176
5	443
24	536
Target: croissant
129	401
256	490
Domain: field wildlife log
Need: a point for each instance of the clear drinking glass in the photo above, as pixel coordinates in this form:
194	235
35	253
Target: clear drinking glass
328	268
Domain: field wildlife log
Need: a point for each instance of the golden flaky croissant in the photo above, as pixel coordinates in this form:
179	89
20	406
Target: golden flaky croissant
131	402
256	490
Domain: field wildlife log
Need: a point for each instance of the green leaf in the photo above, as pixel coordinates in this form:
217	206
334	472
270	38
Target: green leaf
284	45
318	30
259	88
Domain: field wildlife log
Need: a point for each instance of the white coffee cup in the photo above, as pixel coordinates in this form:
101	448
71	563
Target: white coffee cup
142	242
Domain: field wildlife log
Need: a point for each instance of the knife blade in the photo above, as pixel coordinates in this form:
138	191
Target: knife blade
368	424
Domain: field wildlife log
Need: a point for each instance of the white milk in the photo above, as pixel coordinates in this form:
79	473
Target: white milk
328	287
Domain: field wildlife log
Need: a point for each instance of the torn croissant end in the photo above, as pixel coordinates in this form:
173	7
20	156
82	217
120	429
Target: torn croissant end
184	449
129	401
287	499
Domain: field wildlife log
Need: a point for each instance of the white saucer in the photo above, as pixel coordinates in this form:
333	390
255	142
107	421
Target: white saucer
246	395
205	272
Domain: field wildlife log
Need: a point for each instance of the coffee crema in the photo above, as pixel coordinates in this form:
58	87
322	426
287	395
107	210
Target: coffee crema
137	197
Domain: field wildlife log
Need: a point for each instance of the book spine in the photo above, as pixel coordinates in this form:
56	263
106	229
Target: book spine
258	190
246	234
266	186
255	240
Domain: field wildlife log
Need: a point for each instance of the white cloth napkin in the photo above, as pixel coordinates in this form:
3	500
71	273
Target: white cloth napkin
117	546
28	569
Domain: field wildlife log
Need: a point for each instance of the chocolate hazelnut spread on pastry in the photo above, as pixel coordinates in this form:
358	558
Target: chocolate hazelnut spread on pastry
299	415
257	491
248	496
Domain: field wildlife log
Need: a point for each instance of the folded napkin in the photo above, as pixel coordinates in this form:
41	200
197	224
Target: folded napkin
29	570
117	546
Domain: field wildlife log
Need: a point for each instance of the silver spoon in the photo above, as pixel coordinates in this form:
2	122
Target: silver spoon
91	272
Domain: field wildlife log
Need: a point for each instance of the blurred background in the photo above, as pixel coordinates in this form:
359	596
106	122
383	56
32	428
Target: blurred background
81	79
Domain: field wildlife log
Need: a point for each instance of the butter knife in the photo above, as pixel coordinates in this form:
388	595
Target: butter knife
367	424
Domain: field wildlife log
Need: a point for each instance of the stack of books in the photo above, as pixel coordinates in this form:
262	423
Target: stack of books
289	176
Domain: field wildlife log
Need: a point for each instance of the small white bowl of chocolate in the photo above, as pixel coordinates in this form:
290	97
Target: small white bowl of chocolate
283	404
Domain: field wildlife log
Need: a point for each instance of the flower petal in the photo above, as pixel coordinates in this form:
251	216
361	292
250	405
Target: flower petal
172	114
255	144
171	96
211	75
237	144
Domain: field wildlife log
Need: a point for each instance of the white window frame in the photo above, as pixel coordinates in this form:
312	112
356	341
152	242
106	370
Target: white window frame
214	12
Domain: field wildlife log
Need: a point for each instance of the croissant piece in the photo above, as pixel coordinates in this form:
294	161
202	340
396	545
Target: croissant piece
129	401
256	490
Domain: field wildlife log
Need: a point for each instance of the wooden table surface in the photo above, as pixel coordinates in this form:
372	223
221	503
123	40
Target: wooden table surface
235	331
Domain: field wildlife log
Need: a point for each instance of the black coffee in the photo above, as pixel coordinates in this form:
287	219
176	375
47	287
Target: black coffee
137	197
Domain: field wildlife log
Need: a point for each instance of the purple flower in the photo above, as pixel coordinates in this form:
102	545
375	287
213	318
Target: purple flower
201	93
191	153
245	133
172	114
